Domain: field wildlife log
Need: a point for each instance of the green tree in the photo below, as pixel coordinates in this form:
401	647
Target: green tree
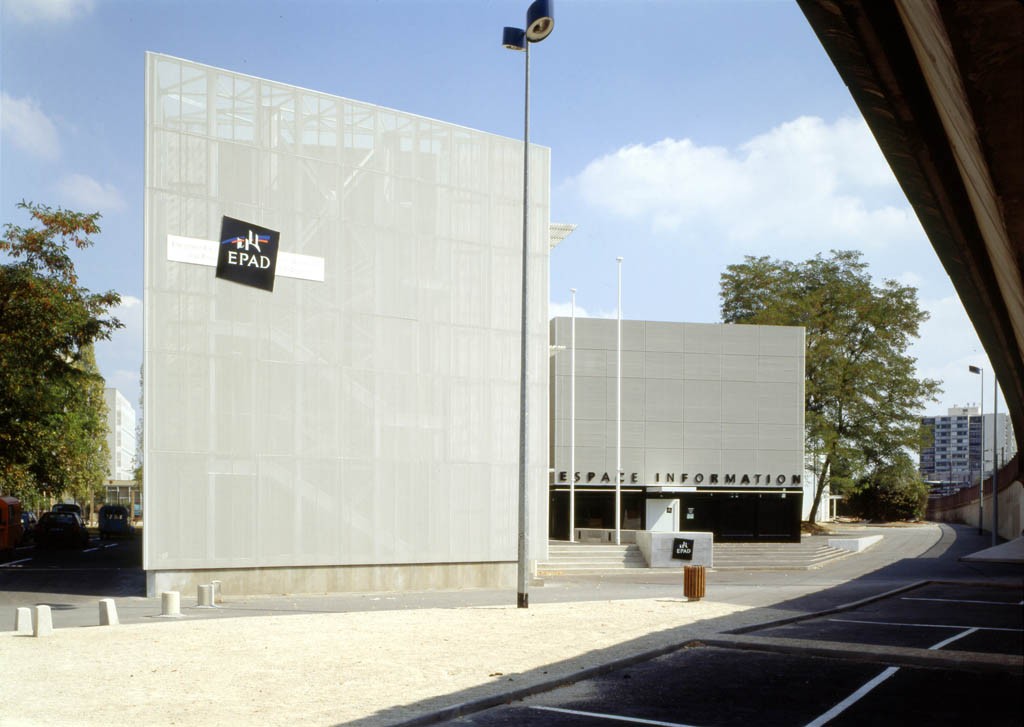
892	491
862	395
52	415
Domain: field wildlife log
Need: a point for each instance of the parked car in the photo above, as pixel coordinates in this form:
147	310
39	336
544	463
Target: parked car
67	507
61	529
28	527
115	522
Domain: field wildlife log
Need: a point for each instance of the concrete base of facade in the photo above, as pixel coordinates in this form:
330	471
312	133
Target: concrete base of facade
336	579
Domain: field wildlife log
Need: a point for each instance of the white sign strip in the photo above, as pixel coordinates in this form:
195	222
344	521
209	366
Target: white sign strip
192	250
304	267
196	251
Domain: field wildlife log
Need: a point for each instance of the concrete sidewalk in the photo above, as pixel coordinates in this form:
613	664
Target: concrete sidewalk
324	661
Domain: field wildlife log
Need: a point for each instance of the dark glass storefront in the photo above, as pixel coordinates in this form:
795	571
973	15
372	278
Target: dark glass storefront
764	515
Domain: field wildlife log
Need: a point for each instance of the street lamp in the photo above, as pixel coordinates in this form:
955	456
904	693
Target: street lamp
540	21
981	462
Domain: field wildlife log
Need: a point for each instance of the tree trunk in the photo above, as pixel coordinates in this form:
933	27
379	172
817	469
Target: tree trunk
819	488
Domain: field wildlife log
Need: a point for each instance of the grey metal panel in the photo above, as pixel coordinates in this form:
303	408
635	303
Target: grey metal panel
704	411
702	401
662	365
702	436
740	403
703	338
739	367
778	368
663	435
632	364
663	337
702	366
742	340
663	400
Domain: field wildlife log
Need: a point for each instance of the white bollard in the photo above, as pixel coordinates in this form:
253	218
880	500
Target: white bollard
42	621
108	612
204	596
23	621
216	592
170	603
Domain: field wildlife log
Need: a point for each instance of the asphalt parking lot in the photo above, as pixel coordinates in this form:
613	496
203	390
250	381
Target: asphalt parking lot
935	653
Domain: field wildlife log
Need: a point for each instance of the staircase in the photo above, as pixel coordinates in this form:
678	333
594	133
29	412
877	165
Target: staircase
583	558
811	552
588	559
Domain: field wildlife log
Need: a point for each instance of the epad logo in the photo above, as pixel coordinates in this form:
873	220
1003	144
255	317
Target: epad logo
247	254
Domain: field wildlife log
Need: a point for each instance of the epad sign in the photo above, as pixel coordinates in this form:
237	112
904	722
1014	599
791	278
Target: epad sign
247	254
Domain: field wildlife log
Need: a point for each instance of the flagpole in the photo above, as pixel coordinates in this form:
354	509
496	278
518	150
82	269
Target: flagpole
572	422
618	416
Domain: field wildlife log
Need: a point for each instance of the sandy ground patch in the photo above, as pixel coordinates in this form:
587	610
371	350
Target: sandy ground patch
321	669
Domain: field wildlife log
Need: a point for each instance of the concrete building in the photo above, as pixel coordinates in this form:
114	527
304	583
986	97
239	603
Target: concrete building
955	459
712	428
332	332
121	438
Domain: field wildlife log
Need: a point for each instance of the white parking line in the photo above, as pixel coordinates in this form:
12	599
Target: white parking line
961	600
856	696
853	698
91	550
14	562
612	717
923	626
951	639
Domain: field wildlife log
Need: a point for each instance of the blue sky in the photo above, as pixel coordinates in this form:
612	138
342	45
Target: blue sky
684	136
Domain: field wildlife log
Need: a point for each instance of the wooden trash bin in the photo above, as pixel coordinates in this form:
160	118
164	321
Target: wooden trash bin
693	582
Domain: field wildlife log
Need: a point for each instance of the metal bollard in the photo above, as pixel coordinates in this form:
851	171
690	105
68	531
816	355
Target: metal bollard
204	596
693	582
23	621
42	621
108	612
170	603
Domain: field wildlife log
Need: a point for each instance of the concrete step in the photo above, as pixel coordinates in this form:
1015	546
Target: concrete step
811	552
569	558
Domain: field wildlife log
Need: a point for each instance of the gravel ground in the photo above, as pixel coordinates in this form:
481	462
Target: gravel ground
321	669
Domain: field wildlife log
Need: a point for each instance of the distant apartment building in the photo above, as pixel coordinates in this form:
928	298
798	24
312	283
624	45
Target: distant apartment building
120	435
955	458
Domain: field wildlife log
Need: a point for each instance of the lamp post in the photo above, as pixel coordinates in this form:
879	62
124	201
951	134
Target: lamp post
995	462
981	477
540	22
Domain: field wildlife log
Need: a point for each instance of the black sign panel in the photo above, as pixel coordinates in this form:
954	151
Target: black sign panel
247	254
682	549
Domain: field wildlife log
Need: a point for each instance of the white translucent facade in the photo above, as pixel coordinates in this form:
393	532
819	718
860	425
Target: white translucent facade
698	399
362	431
121	439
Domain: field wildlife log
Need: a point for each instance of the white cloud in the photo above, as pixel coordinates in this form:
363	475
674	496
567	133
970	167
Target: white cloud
30	11
25	125
85	193
564	310
804	180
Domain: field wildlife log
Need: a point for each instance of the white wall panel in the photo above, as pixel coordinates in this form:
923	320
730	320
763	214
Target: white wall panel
368	419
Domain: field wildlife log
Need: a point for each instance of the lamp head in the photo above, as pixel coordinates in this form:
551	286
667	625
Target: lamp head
540	20
514	38
974	369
